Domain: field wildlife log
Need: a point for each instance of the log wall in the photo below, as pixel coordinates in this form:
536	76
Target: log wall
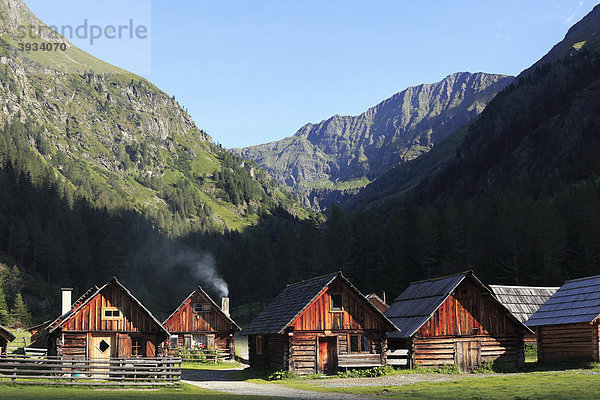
304	348
435	351
274	355
568	343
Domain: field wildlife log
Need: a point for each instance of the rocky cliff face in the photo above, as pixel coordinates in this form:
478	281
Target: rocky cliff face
112	135
346	152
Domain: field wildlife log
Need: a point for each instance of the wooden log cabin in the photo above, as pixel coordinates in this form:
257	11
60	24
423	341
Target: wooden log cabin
523	302
5	337
105	322
200	322
568	324
318	326
455	320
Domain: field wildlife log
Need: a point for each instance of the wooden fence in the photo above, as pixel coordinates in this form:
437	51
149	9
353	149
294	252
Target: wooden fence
50	370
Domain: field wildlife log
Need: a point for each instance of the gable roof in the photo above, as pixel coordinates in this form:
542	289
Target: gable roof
576	301
87	296
284	309
522	301
6	334
417	304
214	306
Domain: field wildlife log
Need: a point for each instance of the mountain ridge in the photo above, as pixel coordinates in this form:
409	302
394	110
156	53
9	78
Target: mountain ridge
118	140
345	152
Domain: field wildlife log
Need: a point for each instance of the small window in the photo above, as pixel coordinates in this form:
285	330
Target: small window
202	307
336	302
199	341
103	346
259	345
137	346
359	344
174	341
354	343
111	313
364	344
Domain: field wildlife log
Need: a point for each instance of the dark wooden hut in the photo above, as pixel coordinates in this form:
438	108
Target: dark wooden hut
455	320
568	323
105	322
5	337
200	323
523	301
318	326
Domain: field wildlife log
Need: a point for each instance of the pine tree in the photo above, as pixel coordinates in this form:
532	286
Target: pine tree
19	313
4	314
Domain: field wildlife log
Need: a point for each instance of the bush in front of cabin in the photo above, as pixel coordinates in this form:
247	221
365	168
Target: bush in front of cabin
367	373
281	375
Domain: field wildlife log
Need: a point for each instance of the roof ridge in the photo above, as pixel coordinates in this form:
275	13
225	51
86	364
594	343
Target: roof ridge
526	287
583	279
315	278
465	273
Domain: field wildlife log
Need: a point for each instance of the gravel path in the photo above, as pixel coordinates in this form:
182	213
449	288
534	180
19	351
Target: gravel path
217	380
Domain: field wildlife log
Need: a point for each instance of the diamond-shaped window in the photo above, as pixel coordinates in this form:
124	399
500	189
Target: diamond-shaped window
103	346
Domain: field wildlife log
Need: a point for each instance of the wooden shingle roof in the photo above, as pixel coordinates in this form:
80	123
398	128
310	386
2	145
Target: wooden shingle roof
284	309
575	302
522	301
419	302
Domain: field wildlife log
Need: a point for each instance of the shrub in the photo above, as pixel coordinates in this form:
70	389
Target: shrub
530	350
367	373
281	375
489	367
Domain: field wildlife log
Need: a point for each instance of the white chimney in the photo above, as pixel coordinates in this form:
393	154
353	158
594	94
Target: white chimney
66	300
225	305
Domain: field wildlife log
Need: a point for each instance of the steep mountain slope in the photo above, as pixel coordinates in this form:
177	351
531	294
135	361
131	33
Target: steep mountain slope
116	139
542	128
346	152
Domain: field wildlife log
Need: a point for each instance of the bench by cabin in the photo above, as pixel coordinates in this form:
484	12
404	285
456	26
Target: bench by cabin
568	323
453	320
200	323
318	326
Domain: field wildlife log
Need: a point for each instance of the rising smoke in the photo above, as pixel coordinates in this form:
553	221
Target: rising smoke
191	264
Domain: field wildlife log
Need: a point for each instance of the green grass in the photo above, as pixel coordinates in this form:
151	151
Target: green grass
65	392
578	384
210	365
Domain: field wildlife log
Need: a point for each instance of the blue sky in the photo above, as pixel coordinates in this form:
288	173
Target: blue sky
254	72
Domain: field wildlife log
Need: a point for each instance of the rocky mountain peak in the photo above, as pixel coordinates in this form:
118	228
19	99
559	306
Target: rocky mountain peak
349	151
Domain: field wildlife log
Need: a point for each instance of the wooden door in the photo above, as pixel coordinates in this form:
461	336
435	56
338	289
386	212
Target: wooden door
327	357
467	355
101	349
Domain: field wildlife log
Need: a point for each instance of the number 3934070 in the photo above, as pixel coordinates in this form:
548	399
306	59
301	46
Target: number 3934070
42	46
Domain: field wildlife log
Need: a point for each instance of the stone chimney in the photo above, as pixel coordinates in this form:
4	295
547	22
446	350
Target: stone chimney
225	305
66	300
